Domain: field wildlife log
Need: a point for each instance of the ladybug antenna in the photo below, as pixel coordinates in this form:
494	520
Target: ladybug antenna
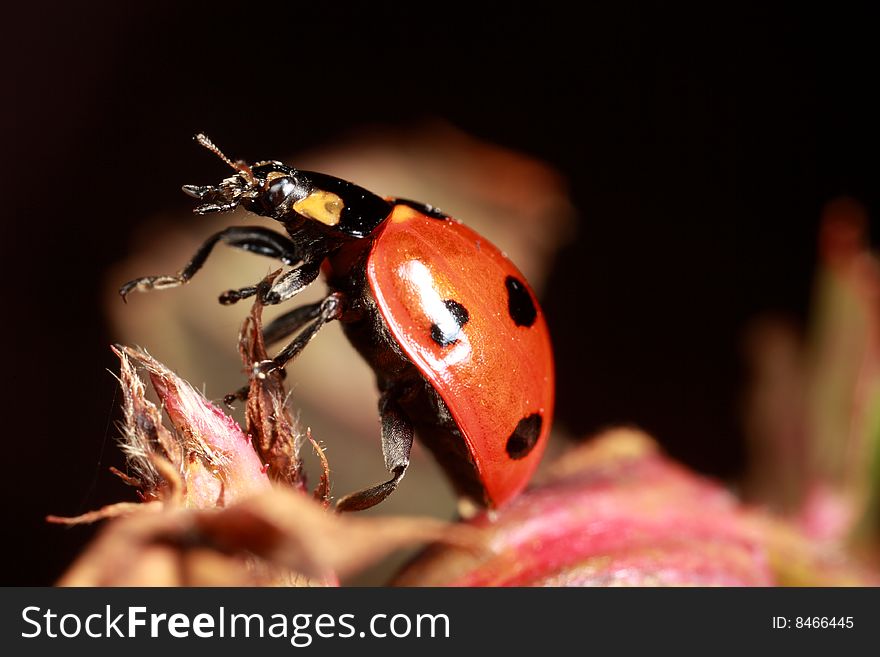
240	165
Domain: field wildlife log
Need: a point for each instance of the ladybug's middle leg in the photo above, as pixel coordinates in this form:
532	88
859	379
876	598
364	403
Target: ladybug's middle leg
327	310
319	313
397	440
288	285
290	322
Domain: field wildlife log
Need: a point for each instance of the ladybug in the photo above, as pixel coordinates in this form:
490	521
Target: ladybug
453	332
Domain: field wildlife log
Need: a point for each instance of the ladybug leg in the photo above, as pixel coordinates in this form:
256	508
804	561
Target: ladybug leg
329	309
289	285
281	327
292	283
248	238
290	322
397	440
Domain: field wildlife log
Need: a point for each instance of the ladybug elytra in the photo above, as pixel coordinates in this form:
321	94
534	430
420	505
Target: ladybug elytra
450	327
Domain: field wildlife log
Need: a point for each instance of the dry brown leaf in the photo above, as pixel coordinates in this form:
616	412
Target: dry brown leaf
277	437
265	540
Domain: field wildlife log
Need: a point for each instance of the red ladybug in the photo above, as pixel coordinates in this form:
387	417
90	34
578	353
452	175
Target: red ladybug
458	342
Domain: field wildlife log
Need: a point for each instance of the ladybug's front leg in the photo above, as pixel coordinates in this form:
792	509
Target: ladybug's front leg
397	440
249	238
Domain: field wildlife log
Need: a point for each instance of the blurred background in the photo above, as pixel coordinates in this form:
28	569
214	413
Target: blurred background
660	175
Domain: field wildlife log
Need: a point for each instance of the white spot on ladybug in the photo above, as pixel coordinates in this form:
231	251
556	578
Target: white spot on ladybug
419	279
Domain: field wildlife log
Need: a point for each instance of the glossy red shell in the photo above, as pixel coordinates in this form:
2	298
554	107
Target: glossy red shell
497	373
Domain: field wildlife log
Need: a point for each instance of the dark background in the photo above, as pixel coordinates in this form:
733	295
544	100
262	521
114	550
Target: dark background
700	148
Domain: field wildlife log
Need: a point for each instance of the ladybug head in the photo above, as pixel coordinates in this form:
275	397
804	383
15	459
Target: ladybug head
267	188
275	190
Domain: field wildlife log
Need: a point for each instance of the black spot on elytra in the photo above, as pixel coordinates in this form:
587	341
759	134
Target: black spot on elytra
519	302
447	332
424	208
524	437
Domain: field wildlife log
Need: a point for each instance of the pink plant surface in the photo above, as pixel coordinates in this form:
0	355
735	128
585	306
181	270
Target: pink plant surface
617	512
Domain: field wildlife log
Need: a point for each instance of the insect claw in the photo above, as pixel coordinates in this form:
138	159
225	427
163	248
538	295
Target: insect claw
263	368
196	191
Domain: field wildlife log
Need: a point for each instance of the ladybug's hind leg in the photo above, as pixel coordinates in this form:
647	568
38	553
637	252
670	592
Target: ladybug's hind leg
397	440
249	238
